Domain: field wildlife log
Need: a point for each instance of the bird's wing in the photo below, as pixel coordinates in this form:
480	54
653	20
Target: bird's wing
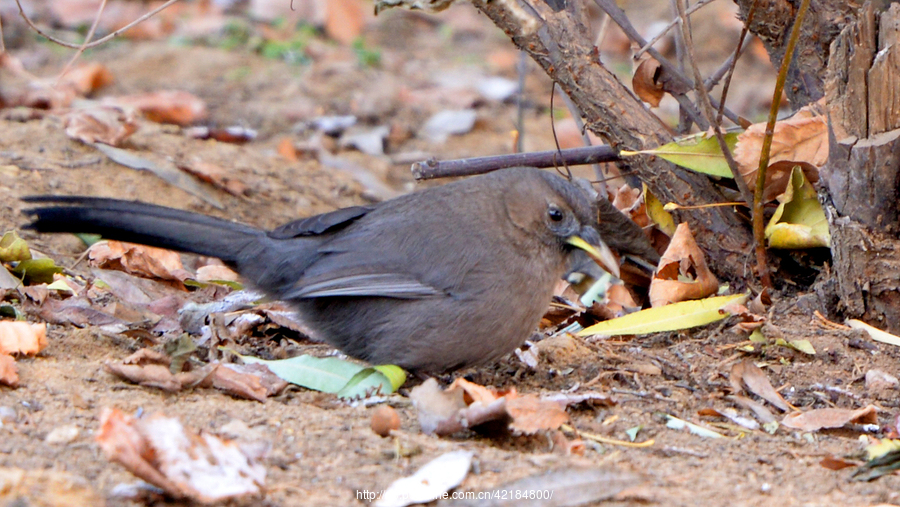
320	224
389	285
371	271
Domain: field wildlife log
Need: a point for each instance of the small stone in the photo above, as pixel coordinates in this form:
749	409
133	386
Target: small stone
385	419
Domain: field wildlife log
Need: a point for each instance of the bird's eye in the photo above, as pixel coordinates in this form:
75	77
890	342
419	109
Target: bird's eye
555	214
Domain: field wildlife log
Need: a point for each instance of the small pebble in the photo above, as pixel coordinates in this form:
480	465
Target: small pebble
385	419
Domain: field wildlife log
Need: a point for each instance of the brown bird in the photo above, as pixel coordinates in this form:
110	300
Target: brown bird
439	279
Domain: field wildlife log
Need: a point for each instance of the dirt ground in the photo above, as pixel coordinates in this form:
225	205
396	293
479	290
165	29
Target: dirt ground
323	451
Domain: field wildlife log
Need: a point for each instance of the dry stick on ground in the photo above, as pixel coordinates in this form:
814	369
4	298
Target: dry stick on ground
560	44
758	225
430	169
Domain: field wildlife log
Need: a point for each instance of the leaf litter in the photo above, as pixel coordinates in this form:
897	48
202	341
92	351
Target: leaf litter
341	427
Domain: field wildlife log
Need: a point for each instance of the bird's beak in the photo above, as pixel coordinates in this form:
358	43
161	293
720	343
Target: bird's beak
589	241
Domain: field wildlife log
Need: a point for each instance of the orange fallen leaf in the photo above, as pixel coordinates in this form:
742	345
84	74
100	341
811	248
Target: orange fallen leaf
683	274
345	20
22	338
166	106
530	414
286	149
88	78
140	260
820	418
9	374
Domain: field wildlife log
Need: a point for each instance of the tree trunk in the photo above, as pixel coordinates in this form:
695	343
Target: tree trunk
862	176
559	42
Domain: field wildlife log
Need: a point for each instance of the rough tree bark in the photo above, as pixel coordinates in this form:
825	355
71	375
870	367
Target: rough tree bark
849	55
862	176
772	22
560	43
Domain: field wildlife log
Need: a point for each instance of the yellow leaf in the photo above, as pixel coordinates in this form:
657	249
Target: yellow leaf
684	315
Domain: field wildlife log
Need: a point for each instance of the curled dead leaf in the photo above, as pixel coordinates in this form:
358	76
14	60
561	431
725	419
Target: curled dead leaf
646	83
683	273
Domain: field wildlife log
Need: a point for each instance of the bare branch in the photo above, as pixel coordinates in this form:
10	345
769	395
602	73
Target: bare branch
551	158
98	41
87	40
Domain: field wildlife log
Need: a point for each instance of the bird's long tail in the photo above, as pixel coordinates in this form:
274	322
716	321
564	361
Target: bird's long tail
144	223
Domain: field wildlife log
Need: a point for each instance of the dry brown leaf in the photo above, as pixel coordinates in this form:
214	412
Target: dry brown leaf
475	393
832	463
9	373
215	175
139	260
105	124
216	272
148	375
345	19
166	106
159	450
562	445
820	418
746	373
530	414
620	295
250	381
88	78
683	273
22	338
762	413
286	149
800	138
646	82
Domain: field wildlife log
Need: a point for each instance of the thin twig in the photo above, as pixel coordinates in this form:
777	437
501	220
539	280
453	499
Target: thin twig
706	104
758	226
694	8
619	17
551	158
87	40
98	41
